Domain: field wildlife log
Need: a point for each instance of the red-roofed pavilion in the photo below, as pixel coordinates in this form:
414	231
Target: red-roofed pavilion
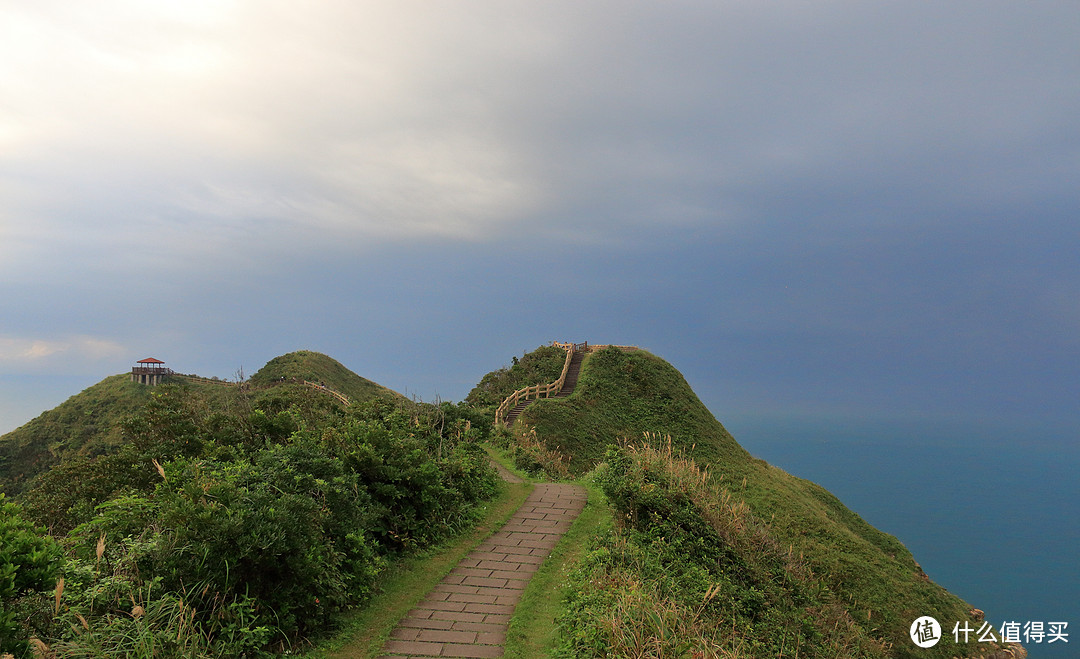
149	371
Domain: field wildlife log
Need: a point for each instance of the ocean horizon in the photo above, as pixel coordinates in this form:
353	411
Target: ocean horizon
991	515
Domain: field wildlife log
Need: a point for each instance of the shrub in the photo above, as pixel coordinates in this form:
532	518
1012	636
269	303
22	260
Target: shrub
540	366
690	569
28	563
267	530
535	458
68	494
258	526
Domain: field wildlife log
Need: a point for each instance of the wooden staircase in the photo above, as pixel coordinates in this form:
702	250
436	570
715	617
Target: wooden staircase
516	411
572	374
567	388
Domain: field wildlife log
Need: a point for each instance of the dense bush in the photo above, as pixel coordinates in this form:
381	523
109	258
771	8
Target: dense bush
28	563
268	529
540	366
256	526
690	568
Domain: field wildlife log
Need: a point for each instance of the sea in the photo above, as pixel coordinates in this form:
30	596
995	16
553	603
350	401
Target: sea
992	514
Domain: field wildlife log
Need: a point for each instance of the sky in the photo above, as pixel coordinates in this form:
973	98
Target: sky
833	210
853	226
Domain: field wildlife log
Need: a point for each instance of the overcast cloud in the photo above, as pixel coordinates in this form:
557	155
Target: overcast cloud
832	207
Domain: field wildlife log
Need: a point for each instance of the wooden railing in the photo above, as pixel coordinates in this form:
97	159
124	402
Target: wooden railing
201	380
576	347
537	390
336	394
586	347
314	385
151	370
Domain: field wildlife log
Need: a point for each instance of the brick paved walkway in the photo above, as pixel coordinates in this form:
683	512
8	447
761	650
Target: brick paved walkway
467	613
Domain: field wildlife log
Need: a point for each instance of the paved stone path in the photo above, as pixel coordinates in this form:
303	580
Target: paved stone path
467	613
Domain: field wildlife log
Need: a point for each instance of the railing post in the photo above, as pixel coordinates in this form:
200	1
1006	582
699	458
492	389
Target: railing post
536	390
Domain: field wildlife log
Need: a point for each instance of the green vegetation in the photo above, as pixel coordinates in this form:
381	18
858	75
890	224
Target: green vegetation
239	521
540	366
691	569
28	563
715	552
85	425
200	520
316	367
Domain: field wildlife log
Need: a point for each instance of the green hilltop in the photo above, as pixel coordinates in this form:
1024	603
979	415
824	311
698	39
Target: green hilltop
623	395
695	511
318	368
89	423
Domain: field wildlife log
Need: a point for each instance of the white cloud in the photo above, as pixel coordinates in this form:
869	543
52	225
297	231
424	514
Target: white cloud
141	123
74	351
207	129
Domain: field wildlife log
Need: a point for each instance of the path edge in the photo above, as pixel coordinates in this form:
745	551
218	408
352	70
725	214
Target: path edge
351	649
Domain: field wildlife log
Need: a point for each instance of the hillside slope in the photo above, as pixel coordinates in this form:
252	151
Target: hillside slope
622	395
88	424
733	511
319	368
234	521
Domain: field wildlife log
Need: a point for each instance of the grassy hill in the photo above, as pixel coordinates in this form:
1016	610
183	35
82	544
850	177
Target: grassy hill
204	519
319	368
87	424
723	540
622	395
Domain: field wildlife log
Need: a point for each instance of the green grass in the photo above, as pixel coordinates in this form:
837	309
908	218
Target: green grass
541	366
533	632
621	396
503	457
409	581
86	424
317	367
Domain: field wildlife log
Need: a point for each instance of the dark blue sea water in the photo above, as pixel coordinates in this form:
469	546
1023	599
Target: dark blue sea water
991	515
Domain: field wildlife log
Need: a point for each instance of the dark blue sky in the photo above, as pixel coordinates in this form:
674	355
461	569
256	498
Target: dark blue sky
839	211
